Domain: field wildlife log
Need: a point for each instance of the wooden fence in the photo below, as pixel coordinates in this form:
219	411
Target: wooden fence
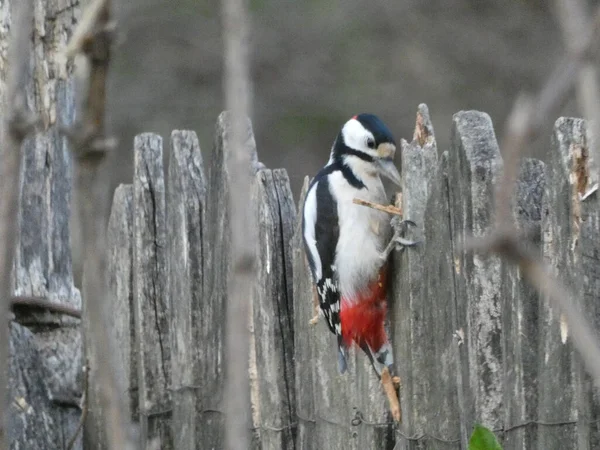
472	342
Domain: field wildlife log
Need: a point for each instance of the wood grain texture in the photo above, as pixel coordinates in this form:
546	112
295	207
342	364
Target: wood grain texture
274	403
150	291
474	164
120	285
570	246
304	376
51	343
423	298
520	307
186	208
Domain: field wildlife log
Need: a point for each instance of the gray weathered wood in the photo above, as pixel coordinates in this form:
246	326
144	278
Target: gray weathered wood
303	351
43	249
273	402
150	293
474	167
120	285
424	298
189	323
570	244
520	318
34	420
122	335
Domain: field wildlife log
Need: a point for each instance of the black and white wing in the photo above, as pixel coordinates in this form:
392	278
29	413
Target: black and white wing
321	231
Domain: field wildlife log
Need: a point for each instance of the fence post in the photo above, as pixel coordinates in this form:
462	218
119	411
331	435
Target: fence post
189	322
150	281
303	351
474	166
273	399
570	245
423	297
120	284
520	308
42	268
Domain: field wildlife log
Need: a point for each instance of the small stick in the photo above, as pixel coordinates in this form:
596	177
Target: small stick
385	208
390	391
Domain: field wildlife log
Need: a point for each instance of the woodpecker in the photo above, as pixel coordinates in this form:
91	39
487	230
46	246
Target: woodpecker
347	245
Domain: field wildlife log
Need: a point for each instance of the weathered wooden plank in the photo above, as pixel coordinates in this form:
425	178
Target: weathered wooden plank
120	285
186	223
217	263
120	316
33	419
42	265
150	293
475	163
424	299
303	351
274	406
589	395
570	232
520	318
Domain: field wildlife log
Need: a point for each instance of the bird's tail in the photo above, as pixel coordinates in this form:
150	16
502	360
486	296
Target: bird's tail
362	322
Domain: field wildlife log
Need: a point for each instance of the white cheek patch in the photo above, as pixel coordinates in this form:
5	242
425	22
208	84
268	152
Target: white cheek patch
356	136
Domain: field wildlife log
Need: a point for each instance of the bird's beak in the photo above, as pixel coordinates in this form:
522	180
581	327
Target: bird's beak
388	169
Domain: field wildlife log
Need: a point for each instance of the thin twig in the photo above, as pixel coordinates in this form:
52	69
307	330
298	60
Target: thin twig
390	392
84	406
93	40
30	302
390	209
18	124
237	94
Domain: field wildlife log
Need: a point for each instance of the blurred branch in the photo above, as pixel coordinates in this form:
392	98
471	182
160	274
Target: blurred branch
573	19
237	94
30	302
92	43
524	123
18	123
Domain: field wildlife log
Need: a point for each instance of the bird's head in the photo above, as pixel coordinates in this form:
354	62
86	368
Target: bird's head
365	143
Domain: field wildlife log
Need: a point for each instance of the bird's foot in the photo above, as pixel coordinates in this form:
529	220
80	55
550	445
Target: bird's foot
314	320
398	242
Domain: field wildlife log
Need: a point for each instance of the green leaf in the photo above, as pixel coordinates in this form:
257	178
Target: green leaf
483	439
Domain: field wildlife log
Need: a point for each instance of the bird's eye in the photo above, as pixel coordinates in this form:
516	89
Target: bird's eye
370	143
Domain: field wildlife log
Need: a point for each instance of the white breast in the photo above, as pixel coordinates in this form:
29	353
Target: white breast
364	233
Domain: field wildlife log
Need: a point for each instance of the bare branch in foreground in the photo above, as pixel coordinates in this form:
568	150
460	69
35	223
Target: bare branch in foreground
523	125
93	40
40	303
18	123
572	16
237	94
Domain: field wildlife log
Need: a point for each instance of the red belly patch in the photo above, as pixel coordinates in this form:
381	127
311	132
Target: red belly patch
363	318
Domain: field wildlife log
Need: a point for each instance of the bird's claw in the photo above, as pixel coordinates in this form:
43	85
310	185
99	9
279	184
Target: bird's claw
398	242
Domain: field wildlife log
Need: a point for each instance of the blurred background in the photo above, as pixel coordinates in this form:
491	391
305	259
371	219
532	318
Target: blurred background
315	63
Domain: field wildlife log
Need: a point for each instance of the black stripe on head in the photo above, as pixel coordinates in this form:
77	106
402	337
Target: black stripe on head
340	149
378	129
